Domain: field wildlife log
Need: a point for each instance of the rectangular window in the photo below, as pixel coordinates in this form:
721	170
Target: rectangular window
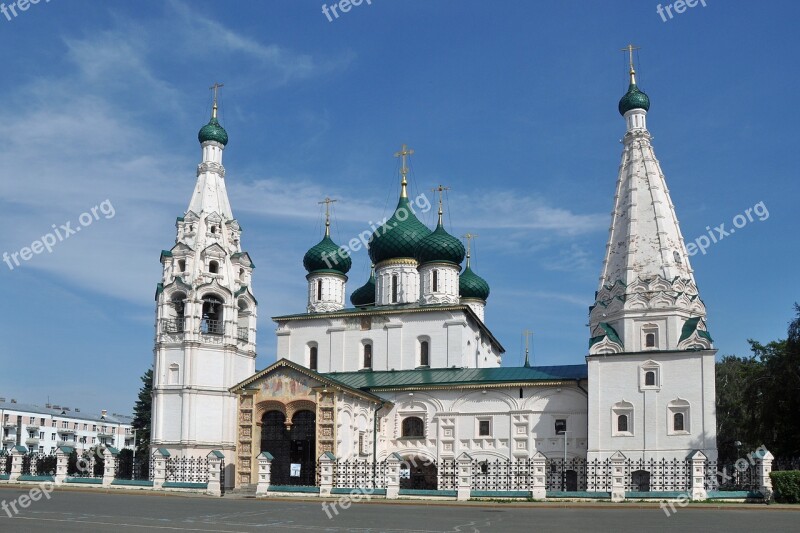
53	436
42	421
484	428
561	426
32	420
41	435
54	424
85	427
65	425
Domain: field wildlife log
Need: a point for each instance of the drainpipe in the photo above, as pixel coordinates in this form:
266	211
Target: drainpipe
578	383
375	438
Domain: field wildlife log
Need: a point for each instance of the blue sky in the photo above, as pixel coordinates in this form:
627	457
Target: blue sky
511	104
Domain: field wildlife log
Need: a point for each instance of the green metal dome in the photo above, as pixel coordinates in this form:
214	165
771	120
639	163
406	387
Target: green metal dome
633	99
440	246
324	257
471	285
213	131
399	236
364	295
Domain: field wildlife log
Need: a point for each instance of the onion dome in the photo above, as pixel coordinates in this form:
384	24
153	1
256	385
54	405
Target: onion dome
325	257
440	246
365	295
213	131
471	285
400	235
634	98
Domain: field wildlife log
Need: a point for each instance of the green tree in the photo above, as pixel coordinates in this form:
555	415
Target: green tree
142	412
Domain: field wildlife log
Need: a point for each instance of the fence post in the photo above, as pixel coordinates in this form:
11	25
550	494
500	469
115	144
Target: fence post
763	468
109	465
16	462
326	462
264	473
539	468
62	462
698	462
159	467
464	486
617	477
393	476
214	487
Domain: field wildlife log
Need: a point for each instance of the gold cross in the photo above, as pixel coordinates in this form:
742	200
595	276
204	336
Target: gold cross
215	88
630	48
440	189
528	334
469	237
404	152
327	201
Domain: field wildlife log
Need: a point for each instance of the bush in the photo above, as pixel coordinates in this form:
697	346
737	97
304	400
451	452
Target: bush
786	485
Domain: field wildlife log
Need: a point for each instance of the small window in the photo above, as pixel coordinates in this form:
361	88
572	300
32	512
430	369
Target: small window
677	257
182	265
413	427
213	267
622	423
312	358
561	426
394	289
424	356
650	340
241	274
677	422
435	281
319	289
368	356
484	428
649	378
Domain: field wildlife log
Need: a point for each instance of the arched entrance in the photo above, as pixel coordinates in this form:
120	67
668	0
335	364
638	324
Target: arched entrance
640	481
418	473
292	447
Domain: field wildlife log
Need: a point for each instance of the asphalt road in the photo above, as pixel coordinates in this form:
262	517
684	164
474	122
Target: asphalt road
73	511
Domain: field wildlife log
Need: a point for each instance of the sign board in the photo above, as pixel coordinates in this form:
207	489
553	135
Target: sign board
294	470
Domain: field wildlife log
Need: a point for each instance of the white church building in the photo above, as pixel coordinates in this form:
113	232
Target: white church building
411	367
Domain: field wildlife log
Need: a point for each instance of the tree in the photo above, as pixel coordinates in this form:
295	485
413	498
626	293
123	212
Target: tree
142	412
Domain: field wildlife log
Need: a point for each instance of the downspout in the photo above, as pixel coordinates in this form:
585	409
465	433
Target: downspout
375	438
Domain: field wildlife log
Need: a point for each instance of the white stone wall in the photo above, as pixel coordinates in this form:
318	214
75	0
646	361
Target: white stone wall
407	282
446	284
454	340
685	378
332	296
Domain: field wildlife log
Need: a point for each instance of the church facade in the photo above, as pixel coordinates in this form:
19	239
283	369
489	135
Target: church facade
411	367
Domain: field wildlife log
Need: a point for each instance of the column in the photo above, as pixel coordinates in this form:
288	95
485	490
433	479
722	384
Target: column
159	467
763	467
464	465
264	473
109	465
617	477
214	487
539	476
326	464
16	462
697	462
393	476
62	460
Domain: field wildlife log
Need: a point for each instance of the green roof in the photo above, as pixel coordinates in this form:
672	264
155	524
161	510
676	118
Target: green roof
471	285
457	376
324	257
213	131
440	246
690	326
364	295
610	332
633	99
399	236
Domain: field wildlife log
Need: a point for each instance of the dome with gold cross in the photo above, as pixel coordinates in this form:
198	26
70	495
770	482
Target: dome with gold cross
213	131
471	285
400	235
634	98
440	246
326	255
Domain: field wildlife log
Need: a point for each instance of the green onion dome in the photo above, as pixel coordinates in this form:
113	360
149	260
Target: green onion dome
399	236
471	285
440	246
364	295
633	99
213	131
324	257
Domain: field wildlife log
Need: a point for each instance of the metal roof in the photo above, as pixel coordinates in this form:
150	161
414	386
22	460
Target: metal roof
458	376
24	408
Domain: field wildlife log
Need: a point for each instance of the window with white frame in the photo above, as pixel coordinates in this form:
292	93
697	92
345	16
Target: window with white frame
650	337
622	419
650	376
484	427
678	417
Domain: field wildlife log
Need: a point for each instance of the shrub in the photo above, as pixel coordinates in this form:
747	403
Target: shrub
786	485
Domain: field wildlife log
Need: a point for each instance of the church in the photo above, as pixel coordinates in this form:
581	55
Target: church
410	366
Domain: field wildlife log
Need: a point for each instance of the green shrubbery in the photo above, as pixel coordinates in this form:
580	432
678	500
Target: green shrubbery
786	485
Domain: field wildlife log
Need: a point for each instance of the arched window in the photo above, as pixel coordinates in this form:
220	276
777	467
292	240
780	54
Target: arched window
211	322
435	281
368	356
213	267
677	257
394	288
319	289
243	326
649	378
677	422
312	358
241	274
650	340
424	356
182	265
413	427
622	423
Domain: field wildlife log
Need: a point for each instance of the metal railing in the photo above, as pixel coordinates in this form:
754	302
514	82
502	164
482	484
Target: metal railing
211	327
242	334
172	325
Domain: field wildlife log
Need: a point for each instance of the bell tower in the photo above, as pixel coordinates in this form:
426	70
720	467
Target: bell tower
205	338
